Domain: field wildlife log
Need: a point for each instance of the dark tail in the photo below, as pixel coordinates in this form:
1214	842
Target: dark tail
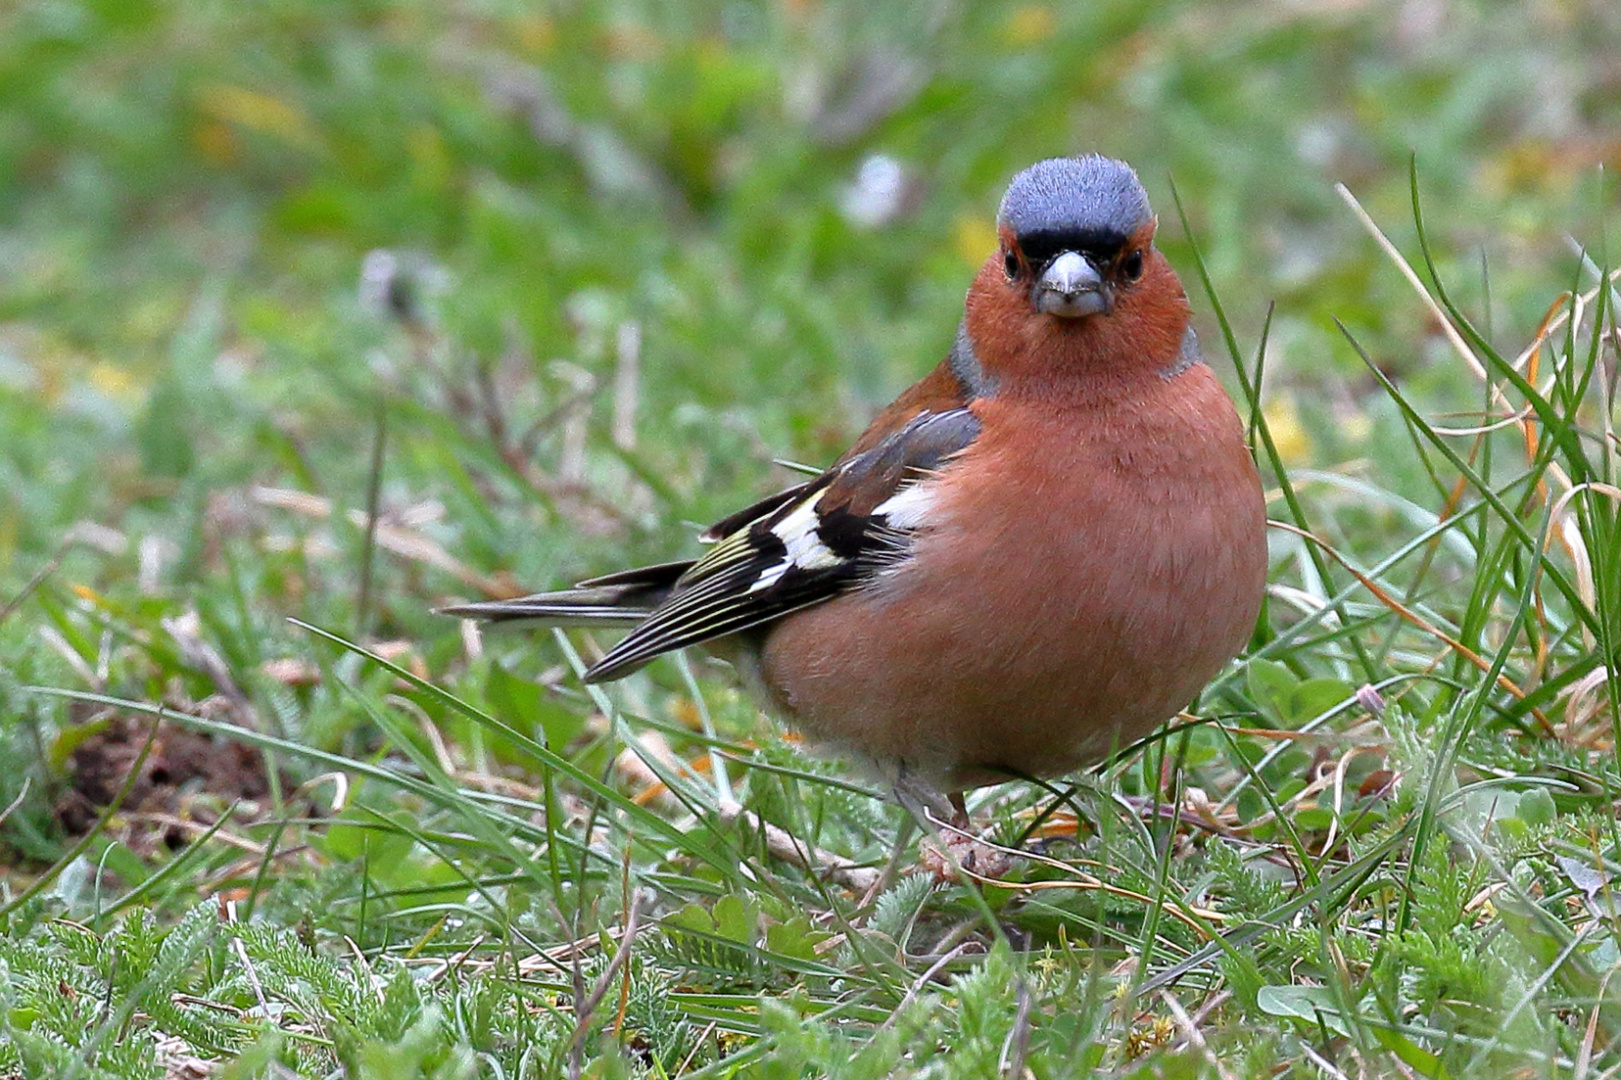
622	599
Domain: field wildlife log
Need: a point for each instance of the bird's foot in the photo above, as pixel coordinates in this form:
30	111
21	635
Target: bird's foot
953	850
950	856
949	849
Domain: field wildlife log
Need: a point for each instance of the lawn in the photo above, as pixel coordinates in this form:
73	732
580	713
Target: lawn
316	315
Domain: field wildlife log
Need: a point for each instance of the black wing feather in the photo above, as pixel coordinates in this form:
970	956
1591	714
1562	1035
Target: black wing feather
751	577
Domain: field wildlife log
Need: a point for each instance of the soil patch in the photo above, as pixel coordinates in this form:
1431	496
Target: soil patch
186	782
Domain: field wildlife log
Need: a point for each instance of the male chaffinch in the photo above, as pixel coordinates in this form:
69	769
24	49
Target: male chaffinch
1037	553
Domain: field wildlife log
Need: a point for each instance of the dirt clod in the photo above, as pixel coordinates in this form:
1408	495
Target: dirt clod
189	777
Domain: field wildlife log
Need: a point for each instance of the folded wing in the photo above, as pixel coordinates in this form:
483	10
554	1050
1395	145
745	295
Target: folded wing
797	548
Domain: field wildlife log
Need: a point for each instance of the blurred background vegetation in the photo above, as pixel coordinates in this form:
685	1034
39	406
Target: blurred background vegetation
545	285
786	198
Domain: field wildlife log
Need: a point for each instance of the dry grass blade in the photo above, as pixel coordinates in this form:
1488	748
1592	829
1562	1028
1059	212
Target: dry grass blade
586	1006
787	847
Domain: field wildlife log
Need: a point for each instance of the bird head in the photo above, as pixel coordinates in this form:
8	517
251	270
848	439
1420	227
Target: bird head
1076	282
1076	234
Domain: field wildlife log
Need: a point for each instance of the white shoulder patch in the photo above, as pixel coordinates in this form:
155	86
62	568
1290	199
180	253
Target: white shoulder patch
797	532
909	508
769	577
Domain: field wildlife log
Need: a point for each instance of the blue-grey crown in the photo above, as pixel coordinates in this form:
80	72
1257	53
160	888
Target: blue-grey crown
1093	198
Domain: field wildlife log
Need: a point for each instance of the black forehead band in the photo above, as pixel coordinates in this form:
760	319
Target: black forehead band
1099	245
1086	196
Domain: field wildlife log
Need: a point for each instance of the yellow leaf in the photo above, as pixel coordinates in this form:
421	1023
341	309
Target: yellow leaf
536	34
1288	433
973	238
1029	24
258	112
113	381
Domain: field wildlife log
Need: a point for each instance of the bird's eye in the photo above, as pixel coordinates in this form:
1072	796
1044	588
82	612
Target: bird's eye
1132	265
1012	265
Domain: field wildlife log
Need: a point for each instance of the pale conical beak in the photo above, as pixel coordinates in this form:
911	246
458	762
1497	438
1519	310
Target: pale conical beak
1071	288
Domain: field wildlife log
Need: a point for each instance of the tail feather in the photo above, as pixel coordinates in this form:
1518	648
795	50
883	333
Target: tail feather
622	599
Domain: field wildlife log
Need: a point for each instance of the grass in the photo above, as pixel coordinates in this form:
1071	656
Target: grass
608	267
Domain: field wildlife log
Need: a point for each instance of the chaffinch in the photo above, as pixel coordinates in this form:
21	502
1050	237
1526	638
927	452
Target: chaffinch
1036	554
